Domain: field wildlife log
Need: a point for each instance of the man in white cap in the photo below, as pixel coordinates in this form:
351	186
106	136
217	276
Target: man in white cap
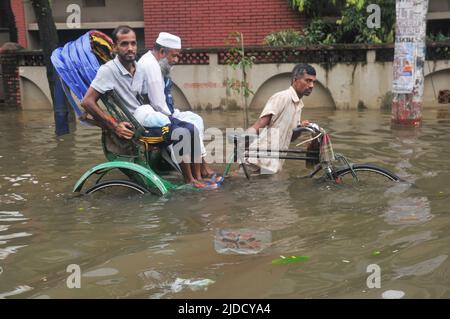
157	64
126	78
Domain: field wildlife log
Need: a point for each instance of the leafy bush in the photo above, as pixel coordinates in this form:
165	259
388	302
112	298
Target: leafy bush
439	37
317	32
285	38
351	27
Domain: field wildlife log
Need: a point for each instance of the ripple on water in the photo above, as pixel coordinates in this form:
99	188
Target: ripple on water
11	198
17	291
7	218
59	255
101	272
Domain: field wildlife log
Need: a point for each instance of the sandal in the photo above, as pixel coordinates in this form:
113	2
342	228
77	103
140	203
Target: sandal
214	178
204	186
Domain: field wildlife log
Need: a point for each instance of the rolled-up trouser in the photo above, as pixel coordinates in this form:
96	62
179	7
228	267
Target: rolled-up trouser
195	119
186	139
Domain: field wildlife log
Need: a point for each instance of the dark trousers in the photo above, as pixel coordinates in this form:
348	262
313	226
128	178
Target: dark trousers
191	144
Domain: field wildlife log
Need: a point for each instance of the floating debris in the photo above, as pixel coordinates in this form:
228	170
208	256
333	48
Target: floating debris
287	260
392	294
193	284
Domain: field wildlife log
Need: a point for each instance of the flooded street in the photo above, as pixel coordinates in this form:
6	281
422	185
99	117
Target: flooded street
169	247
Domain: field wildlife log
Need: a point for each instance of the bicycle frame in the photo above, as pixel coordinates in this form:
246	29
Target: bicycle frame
289	154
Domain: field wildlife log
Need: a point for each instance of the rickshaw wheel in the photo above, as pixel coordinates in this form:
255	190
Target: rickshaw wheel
117	183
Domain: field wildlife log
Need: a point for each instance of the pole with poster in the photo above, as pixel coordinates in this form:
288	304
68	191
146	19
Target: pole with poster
409	58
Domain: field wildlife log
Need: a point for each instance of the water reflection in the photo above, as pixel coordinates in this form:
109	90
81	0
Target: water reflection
423	268
403	208
241	241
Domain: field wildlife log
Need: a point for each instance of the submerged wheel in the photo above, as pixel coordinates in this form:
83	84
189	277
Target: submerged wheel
366	172
108	186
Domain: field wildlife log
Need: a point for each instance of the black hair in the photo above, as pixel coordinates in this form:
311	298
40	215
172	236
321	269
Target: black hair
302	69
122	29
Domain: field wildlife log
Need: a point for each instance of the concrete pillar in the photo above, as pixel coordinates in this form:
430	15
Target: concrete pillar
409	60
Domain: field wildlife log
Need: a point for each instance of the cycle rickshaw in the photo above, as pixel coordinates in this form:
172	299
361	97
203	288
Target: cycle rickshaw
143	159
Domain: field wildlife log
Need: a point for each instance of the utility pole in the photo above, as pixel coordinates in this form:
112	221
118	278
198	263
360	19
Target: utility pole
409	61
49	41
7	19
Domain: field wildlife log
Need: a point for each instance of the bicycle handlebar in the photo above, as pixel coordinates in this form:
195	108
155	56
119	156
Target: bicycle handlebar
311	128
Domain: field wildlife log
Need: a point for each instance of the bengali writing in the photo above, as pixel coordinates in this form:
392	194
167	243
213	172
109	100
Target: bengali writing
203	85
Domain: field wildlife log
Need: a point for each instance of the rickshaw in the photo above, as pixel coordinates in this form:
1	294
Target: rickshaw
149	153
141	159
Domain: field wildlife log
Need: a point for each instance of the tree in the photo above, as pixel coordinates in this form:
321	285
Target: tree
238	60
48	36
7	19
49	41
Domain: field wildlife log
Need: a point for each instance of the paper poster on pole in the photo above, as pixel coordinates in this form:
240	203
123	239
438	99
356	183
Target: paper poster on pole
410	32
404	67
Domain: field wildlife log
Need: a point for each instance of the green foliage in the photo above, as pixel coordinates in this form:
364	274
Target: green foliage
351	27
285	38
317	32
439	37
318	8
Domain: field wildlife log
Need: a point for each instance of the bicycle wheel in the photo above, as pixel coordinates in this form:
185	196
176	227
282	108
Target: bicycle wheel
366	173
117	186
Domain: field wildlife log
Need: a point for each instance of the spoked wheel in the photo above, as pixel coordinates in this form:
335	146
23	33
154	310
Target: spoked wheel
366	173
117	186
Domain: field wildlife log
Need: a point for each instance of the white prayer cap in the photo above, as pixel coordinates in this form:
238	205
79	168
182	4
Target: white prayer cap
169	40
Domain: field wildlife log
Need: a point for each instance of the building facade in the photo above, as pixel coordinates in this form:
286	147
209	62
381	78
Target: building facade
203	26
200	23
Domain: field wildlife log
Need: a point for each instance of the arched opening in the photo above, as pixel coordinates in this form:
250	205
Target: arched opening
320	96
180	99
435	82
32	96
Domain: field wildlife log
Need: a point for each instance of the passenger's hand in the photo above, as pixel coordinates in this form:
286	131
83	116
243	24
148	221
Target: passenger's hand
305	123
124	130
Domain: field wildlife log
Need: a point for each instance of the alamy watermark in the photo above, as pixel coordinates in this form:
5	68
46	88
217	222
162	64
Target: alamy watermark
374	19
73	21
74	279
374	279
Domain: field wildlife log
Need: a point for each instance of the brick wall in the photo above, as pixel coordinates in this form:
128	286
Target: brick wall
206	23
19	13
11	80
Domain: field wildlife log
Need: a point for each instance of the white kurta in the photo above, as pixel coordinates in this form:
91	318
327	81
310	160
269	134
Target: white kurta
286	109
155	82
